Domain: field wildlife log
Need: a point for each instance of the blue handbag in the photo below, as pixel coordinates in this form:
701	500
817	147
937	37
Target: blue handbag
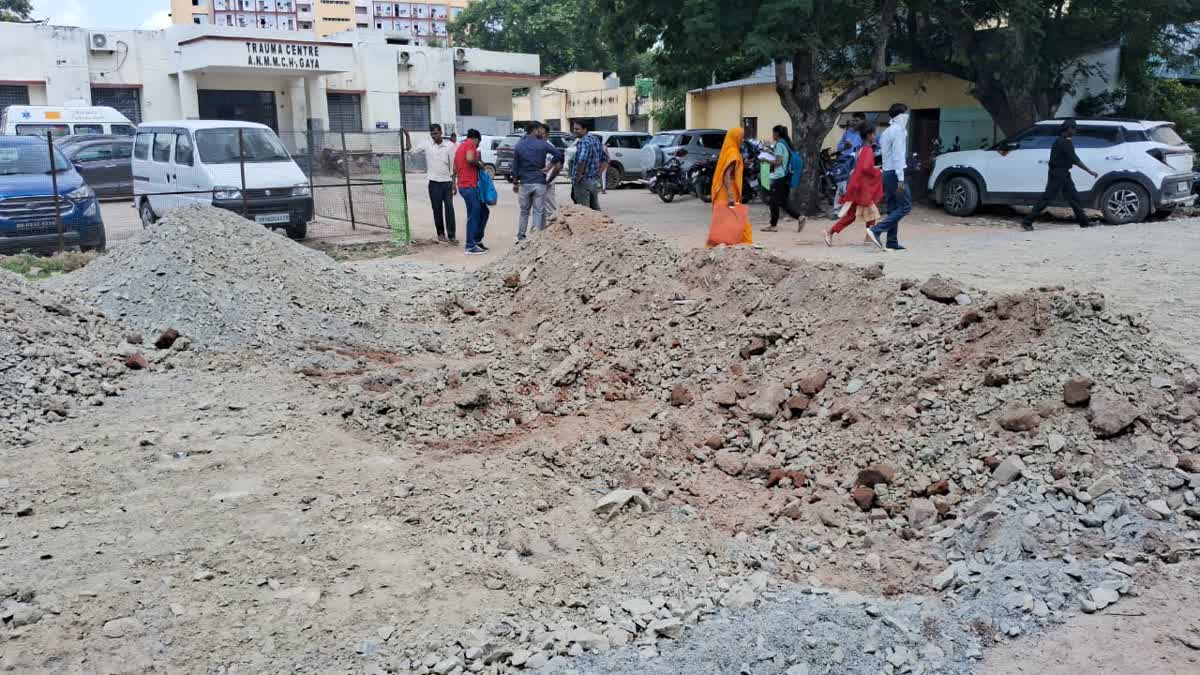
487	189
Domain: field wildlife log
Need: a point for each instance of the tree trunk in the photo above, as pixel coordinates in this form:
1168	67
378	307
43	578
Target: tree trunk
808	140
1014	108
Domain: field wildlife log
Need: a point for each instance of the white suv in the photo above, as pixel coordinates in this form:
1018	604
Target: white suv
1144	168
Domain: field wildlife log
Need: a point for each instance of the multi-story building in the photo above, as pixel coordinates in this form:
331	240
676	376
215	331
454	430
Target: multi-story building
422	21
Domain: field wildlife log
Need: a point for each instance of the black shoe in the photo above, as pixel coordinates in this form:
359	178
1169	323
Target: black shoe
897	247
1028	227
480	245
453	241
442	239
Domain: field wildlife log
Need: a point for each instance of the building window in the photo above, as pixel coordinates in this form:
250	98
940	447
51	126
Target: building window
345	112
13	94
465	107
195	3
414	112
196	20
126	100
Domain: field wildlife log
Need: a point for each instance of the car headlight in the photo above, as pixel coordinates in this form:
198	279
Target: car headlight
301	190
226	192
81	193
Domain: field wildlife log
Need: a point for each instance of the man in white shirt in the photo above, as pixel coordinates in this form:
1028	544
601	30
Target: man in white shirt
439	160
893	143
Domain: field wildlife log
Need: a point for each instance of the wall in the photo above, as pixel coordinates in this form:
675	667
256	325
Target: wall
1107	64
333	17
182	11
725	108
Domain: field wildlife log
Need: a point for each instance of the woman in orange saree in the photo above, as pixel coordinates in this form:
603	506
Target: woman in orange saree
727	195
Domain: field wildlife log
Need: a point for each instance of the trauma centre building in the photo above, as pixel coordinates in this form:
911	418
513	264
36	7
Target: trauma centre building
353	81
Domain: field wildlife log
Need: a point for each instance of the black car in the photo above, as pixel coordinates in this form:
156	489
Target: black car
504	153
104	162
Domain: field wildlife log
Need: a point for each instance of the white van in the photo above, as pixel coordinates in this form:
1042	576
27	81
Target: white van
63	120
198	162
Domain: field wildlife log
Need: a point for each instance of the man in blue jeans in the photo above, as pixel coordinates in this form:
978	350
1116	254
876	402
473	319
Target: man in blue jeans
893	143
529	176
467	164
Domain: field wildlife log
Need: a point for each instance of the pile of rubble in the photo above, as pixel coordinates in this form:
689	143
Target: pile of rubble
55	356
225	282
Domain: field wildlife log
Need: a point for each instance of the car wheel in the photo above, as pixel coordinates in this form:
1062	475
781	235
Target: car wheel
146	213
99	246
297	231
490	169
960	196
613	177
1124	203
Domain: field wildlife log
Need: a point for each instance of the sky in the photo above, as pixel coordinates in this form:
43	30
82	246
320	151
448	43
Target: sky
105	14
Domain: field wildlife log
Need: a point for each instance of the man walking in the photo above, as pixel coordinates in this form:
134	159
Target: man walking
439	158
1062	159
894	145
585	177
529	177
467	164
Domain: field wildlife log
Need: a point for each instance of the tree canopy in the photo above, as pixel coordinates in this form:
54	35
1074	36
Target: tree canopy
1023	56
16	10
563	32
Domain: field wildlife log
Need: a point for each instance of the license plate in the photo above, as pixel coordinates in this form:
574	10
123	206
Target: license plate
272	218
39	225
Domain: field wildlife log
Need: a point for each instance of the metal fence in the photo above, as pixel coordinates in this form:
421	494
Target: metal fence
356	177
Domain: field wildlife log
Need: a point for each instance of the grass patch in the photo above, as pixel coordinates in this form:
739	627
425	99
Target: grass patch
37	267
368	251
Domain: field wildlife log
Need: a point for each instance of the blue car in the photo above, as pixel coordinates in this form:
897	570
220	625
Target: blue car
27	204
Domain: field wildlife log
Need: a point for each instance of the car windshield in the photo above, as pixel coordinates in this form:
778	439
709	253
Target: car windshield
1166	135
29	159
664	140
509	141
220	146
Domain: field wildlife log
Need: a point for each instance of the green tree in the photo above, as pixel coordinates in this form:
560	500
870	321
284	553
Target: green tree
833	47
1023	56
562	32
16	10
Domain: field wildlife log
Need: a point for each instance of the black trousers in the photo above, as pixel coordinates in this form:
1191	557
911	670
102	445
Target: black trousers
441	196
781	189
1059	182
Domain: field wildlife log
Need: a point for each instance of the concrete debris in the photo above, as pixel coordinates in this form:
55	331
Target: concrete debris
483	414
619	499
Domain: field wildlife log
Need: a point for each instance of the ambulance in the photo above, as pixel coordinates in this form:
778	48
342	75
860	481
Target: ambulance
69	120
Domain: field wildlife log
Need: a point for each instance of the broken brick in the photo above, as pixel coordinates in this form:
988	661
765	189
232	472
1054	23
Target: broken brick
136	362
876	474
167	339
863	496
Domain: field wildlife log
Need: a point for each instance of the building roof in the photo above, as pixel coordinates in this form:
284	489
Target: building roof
764	75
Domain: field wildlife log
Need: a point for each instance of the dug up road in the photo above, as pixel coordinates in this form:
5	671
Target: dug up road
598	453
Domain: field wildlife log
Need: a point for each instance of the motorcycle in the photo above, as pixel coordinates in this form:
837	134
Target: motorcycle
668	181
700	180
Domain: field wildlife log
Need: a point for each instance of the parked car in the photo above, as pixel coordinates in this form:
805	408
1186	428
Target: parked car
198	162
104	162
1144	167
625	161
27	200
689	146
65	120
504	152
487	152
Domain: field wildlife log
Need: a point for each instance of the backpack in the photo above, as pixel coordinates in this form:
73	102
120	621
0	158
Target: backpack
487	189
795	168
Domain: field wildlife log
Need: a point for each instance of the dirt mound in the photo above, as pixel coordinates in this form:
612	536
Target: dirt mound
55	356
752	367
224	282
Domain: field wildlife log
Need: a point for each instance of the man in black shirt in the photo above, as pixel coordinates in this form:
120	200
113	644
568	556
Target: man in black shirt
1062	159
